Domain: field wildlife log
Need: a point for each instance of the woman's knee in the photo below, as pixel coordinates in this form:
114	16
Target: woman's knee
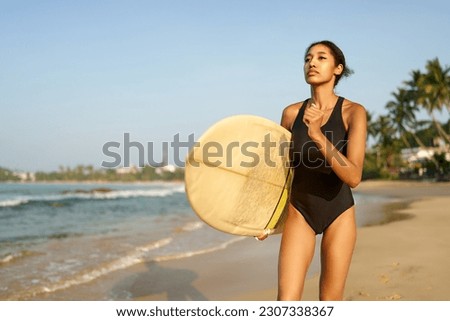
289	297
331	296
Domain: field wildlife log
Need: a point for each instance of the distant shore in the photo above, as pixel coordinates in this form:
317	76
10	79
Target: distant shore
94	182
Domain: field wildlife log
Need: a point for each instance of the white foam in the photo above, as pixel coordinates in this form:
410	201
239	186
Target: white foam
12	256
131	259
114	194
193	226
203	251
7	258
179	189
138	255
13	202
131	193
134	257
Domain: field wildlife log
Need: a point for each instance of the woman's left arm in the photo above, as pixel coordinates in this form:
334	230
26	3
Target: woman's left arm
347	168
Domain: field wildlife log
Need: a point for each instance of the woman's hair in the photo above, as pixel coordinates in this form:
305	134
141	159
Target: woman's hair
338	55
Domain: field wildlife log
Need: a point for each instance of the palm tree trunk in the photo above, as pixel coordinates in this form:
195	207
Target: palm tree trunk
440	130
421	144
418	140
405	141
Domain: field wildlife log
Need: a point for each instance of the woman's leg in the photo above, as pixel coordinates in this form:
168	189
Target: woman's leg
338	242
296	253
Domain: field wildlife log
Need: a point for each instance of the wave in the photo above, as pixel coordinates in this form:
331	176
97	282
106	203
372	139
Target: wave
192	226
11	257
132	193
13	202
198	252
136	256
94	195
139	255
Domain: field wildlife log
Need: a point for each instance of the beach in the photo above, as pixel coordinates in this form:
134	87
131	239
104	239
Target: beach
406	257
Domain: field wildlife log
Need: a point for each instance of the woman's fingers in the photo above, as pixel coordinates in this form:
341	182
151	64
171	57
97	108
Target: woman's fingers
313	116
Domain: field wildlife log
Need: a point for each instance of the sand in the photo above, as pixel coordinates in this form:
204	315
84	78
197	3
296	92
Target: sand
407	258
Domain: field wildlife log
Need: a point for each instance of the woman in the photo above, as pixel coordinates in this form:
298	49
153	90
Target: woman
329	135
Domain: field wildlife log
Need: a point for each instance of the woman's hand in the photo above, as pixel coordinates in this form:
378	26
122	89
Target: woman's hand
347	167
263	236
313	118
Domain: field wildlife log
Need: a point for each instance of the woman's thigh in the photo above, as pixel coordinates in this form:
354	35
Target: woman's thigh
338	242
296	253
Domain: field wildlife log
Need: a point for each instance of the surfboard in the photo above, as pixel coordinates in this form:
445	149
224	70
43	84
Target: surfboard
237	176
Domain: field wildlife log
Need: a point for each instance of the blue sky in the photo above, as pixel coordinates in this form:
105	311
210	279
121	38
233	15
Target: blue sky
77	74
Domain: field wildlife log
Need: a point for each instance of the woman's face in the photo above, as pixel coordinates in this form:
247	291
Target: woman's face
320	66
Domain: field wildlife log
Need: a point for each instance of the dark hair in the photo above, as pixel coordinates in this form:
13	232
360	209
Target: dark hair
338	55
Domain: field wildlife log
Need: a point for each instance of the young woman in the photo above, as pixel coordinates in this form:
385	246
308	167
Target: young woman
329	136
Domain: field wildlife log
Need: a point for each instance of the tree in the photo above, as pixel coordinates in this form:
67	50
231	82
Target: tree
371	126
386	148
432	91
436	84
402	111
7	175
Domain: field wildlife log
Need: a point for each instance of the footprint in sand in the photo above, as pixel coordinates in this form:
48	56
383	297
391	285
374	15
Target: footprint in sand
394	297
384	279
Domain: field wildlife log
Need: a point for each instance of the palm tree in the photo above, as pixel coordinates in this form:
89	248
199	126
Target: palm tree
432	91
385	140
437	84
371	125
402	113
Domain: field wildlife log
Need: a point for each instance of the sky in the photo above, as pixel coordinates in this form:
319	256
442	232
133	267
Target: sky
76	75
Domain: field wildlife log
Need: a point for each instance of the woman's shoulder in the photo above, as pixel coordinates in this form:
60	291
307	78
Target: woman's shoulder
353	111
290	113
292	108
352	107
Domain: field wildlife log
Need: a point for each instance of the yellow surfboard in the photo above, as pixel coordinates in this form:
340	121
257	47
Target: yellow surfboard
238	178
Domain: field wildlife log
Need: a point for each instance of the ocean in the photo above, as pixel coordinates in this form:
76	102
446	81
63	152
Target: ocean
54	236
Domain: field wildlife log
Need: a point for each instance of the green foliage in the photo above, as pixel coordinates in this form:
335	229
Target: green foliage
87	173
6	175
371	170
427	91
439	167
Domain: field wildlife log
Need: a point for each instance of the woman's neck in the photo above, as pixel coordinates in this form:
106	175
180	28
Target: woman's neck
324	98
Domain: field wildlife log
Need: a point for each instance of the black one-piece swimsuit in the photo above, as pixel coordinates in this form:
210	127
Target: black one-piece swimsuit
317	192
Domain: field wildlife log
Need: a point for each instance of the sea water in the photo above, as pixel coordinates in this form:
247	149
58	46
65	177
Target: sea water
54	236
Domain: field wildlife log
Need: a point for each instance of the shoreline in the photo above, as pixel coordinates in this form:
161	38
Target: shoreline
405	259
372	183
